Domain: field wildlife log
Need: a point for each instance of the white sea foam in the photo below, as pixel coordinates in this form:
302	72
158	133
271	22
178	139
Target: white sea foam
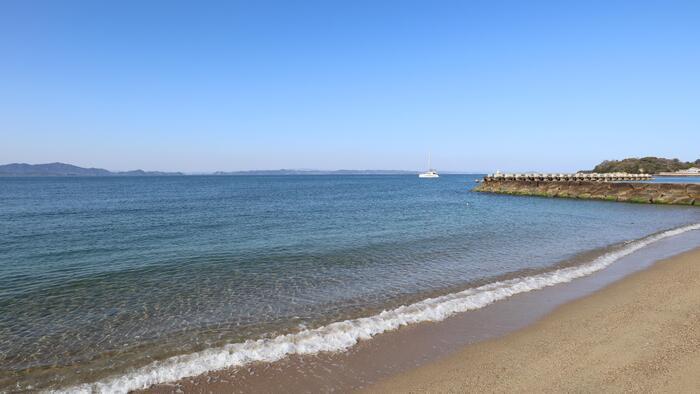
342	335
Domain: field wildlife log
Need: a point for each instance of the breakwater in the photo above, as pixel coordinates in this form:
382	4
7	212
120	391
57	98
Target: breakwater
637	192
579	176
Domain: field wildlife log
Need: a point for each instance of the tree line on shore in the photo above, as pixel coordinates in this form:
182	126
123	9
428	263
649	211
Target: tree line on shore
649	165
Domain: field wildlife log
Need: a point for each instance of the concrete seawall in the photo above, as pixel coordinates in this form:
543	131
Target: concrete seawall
649	193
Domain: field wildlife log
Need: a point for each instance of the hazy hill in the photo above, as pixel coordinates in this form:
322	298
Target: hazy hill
62	169
651	165
316	172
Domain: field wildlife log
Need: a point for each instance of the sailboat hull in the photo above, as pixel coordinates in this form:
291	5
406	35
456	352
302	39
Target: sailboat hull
428	175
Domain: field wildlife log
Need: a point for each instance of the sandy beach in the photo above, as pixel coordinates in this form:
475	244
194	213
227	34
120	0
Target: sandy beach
640	334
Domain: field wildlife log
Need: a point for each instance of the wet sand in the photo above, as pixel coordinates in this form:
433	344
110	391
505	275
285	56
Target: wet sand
639	334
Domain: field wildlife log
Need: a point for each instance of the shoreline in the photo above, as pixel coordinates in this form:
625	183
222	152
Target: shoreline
395	352
639	333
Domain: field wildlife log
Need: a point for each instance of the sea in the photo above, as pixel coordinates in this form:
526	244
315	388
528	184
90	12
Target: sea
109	284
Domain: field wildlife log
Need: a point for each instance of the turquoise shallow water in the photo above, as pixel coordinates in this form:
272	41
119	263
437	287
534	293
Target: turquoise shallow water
99	275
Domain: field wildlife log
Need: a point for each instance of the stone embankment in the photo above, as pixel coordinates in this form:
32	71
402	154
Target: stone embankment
638	192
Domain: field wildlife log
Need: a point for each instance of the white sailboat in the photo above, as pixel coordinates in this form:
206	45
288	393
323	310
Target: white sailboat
431	173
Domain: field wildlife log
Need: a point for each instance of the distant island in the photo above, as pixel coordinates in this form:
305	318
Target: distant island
650	165
62	169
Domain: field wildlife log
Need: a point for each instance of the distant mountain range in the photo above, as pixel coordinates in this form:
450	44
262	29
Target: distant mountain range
316	172
62	169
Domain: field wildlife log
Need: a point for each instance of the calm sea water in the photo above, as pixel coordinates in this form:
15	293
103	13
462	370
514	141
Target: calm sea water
676	179
99	276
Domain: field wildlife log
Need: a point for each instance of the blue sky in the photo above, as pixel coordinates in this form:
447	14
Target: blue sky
518	86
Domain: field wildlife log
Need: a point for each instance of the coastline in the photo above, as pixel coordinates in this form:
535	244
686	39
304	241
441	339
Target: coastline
639	334
395	353
505	260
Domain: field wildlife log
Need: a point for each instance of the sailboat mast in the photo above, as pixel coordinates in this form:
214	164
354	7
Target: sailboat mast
430	166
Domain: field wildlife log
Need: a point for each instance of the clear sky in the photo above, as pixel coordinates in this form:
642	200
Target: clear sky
515	86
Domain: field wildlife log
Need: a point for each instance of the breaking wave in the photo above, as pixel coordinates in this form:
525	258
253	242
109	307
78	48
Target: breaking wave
344	334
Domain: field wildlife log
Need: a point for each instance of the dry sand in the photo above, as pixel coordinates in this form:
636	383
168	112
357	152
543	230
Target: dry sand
641	334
